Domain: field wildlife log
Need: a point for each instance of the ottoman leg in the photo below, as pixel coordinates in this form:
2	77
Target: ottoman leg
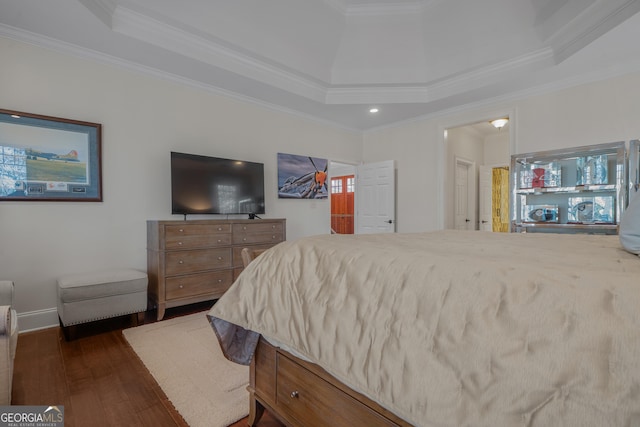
69	332
137	318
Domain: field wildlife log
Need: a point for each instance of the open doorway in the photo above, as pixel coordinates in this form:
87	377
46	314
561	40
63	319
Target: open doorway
476	192
363	197
342	190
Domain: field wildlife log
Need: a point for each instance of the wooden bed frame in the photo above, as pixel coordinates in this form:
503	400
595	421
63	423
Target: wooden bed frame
300	393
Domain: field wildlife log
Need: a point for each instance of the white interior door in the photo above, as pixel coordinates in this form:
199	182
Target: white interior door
486	195
464	197
375	198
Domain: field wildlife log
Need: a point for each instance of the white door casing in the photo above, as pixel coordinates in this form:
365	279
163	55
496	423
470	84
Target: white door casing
375	198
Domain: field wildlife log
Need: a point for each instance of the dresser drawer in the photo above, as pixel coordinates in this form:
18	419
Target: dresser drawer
316	403
195	229
181	262
269	237
197	241
257	227
192	236
258	232
197	284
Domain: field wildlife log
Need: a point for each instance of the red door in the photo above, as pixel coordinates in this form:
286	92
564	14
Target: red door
342	190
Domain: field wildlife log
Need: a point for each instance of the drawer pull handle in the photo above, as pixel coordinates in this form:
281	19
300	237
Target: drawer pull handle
244	239
181	286
244	228
179	243
181	230
219	240
181	262
219	280
273	237
273	226
219	228
295	394
219	258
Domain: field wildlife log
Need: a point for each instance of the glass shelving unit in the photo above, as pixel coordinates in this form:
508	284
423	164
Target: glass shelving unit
573	190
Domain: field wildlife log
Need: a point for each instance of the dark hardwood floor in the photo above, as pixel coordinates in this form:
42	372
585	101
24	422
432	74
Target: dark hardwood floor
97	377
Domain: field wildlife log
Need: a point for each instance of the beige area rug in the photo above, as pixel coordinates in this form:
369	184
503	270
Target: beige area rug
184	357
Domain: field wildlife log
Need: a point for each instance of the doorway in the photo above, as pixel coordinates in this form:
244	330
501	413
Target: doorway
476	192
342	204
363	197
342	196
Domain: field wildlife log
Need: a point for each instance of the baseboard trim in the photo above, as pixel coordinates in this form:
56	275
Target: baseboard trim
39	319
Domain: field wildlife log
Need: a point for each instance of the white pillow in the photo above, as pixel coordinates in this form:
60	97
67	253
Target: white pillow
630	226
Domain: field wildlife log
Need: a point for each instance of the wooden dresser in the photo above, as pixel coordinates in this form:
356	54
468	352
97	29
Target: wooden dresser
193	261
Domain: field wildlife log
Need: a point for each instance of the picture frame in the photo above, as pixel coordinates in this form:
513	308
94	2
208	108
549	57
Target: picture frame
44	158
302	177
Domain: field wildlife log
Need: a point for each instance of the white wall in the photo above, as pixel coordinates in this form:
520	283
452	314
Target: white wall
143	118
589	114
597	113
414	149
496	149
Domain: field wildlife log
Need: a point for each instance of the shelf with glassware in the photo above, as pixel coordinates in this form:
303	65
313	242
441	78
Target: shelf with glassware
573	190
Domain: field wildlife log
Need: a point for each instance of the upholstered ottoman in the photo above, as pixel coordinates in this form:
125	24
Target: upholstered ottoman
85	298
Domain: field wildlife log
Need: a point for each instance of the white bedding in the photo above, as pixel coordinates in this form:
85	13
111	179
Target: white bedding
456	328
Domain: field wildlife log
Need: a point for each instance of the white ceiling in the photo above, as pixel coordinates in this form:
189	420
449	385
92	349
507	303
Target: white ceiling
333	59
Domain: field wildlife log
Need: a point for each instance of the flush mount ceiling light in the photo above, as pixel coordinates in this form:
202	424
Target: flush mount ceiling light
373	110
499	123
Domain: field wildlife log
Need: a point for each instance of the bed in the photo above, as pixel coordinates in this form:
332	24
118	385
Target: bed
446	328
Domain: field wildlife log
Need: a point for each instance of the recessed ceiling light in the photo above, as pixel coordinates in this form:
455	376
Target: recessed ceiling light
373	110
15	116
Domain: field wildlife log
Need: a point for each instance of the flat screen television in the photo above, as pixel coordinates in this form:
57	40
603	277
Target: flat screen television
211	185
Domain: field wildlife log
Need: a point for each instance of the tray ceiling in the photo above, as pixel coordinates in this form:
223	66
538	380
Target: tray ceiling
332	59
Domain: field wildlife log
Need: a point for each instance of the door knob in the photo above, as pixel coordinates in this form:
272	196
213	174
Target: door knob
389	221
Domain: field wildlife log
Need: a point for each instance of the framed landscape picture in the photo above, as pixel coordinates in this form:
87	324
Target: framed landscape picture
49	158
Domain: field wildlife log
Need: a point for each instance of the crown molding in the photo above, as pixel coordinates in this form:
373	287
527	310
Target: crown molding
215	53
337	5
500	100
102	9
220	54
428	92
40	41
327	94
589	26
379	8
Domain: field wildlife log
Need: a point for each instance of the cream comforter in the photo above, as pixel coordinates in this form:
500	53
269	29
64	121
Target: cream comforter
456	328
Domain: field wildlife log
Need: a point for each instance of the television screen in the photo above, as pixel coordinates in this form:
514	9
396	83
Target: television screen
211	185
